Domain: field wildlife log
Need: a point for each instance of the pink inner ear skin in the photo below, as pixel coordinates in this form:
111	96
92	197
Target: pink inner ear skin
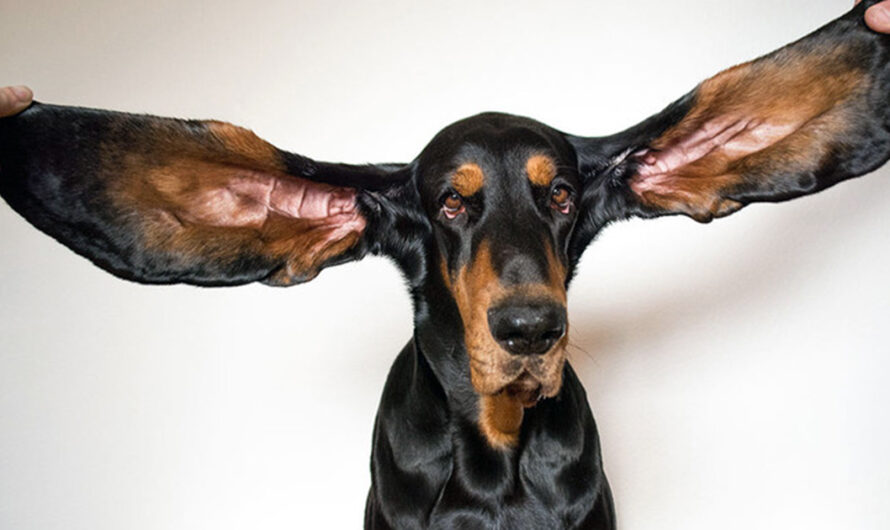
728	139
296	223
310	200
248	198
293	197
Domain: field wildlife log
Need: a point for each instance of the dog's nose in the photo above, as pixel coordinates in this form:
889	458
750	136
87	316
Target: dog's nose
529	328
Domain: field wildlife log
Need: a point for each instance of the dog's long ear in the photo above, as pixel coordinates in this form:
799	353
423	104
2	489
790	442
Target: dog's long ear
792	123
160	200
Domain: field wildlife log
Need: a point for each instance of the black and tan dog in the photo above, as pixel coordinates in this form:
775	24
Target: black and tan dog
482	423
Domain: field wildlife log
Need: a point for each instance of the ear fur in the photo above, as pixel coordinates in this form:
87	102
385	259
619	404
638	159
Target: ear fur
792	123
160	200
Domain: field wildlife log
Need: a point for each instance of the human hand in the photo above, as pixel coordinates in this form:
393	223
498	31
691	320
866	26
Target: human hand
14	99
877	17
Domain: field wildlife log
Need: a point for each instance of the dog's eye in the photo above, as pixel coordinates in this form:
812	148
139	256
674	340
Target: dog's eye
561	199
452	204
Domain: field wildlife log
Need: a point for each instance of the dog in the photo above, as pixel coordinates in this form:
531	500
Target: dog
482	423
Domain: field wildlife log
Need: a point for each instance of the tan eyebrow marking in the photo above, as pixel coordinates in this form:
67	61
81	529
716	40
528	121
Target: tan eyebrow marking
541	170
468	179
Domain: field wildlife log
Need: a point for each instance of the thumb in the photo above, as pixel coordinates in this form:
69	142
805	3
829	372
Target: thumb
14	99
877	17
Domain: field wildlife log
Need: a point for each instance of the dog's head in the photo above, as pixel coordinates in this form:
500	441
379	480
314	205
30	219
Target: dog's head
500	193
492	217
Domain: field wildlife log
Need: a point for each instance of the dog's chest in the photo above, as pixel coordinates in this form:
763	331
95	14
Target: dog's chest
516	501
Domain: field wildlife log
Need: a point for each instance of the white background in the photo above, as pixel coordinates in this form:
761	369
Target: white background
737	370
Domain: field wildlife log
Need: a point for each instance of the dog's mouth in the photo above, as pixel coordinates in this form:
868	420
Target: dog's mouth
523	381
509	387
526	389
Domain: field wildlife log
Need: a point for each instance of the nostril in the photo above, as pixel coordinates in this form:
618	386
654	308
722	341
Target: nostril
514	341
554	335
529	328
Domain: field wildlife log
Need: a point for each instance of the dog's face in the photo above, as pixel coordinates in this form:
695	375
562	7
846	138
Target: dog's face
500	192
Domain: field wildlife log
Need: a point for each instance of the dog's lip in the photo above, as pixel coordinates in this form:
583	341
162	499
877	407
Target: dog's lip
525	389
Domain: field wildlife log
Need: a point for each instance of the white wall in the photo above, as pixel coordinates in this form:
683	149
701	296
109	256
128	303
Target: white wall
737	370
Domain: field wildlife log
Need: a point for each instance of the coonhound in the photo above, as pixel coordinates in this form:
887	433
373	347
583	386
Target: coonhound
482	423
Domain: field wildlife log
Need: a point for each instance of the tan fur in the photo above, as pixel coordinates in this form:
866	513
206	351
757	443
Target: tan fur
788	125
468	179
541	170
500	418
244	143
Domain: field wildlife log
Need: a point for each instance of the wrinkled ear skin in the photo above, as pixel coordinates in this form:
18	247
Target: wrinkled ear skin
789	124
158	200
